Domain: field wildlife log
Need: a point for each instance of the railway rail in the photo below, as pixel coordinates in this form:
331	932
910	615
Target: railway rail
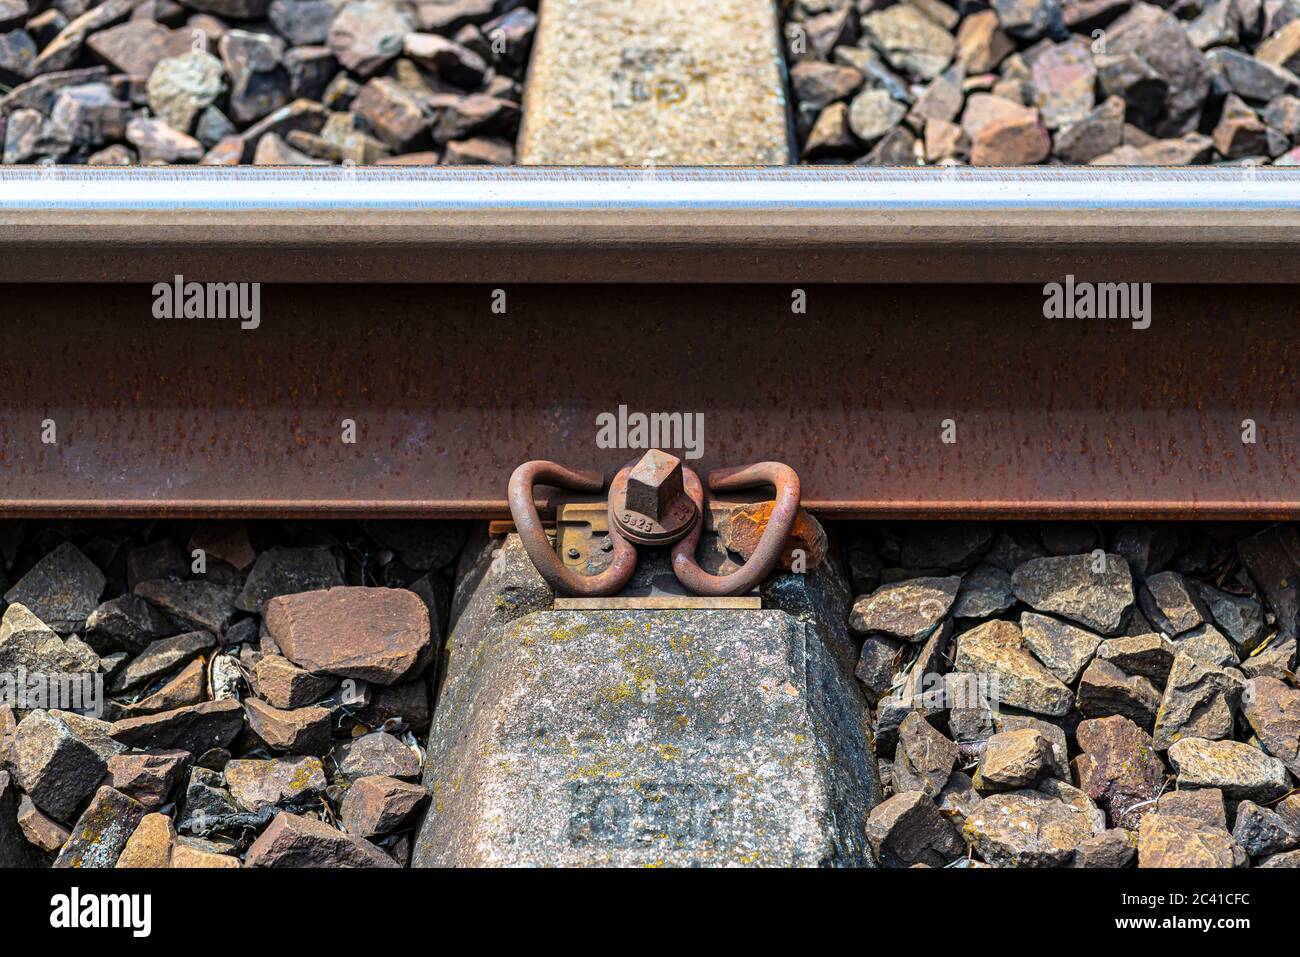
921	378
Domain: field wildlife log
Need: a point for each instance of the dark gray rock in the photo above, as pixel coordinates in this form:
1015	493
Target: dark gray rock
823	599
1171	603
877	665
162	657
910	610
90	115
302	22
1199	701
477	114
1158	40
908	829
924	758
310	70
985	591
161	559
951	546
1150	655
1240	617
193	605
17	56
1094	591
1063	648
55	767
209	809
62	589
1147	548
448	59
1104	690
259	83
1271	558
1250	78
287	571
198	728
1263	832
126	623
15	850
1030	19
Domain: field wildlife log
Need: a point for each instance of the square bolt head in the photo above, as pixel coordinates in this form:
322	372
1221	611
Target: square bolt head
654	483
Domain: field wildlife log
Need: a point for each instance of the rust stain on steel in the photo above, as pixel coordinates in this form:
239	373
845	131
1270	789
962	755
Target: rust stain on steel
1054	418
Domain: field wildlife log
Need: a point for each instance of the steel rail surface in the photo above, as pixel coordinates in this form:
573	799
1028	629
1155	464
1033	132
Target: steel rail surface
1053	418
778	224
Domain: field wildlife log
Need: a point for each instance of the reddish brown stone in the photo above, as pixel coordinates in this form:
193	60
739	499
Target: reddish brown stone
378	805
212	724
376	754
292	841
148	777
1119	769
190	686
184	857
297	730
1017	141
375	634
150	844
744	527
284	685
133	47
39	828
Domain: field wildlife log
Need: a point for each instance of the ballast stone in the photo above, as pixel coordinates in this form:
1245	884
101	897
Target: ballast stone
636	738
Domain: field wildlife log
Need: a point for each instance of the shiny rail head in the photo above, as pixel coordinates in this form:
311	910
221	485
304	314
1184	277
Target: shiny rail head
677	225
422	189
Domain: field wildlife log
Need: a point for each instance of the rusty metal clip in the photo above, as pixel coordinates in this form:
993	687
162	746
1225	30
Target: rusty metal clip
533	535
768	553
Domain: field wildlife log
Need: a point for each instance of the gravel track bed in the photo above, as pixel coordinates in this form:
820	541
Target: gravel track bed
1020	82
284	82
1037	695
